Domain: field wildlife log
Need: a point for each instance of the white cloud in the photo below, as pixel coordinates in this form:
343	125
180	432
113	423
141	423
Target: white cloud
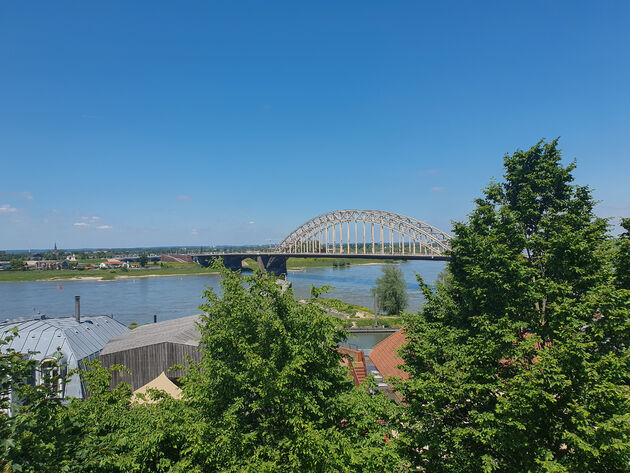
194	232
252	222
6	208
81	224
104	227
183	197
87	218
27	195
437	189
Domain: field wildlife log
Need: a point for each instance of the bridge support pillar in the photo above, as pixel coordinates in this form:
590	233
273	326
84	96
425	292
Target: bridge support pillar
274	264
235	263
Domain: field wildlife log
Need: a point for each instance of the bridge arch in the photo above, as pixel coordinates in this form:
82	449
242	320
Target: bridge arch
381	233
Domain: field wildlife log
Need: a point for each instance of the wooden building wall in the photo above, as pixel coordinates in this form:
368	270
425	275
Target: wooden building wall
147	362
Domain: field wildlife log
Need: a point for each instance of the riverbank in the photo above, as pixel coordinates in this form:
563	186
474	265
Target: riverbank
172	269
294	264
352	316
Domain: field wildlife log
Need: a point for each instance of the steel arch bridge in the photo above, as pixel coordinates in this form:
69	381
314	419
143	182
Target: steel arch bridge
376	232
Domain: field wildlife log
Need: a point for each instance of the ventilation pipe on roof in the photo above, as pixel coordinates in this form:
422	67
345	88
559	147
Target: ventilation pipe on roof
77	308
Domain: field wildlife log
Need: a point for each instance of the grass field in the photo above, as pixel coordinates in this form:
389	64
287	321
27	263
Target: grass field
342	307
169	269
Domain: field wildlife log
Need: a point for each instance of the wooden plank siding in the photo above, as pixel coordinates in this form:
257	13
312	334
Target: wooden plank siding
148	362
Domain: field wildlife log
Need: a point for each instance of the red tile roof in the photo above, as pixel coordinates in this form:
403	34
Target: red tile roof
385	358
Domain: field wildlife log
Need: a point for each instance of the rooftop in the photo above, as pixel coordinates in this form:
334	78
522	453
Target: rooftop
46	335
385	358
183	331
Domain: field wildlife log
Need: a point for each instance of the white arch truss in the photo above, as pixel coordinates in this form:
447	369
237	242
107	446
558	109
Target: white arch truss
366	232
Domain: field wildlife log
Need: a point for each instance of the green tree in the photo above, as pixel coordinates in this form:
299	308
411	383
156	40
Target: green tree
391	291
622	259
318	291
31	438
271	384
520	362
17	264
144	259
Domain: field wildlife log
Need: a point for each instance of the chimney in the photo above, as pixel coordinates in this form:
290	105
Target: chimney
77	308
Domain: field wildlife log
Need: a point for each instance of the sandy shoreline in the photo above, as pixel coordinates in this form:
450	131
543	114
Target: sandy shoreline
125	276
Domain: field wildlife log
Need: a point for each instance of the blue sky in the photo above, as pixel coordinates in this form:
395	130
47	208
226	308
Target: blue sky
204	123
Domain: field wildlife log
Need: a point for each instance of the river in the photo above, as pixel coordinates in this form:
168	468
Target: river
138	300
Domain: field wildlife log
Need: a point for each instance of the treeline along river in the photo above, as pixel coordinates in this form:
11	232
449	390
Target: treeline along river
138	300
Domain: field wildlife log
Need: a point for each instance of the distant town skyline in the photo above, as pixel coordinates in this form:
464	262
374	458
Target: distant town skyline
155	124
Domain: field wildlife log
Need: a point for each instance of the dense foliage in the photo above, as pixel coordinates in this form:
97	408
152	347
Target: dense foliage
271	382
17	264
269	394
519	359
33	433
519	363
143	260
622	258
391	291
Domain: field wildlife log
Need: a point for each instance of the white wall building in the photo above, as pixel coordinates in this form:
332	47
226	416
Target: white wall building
75	341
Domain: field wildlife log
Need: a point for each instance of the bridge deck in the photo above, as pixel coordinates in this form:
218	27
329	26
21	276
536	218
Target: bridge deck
395	256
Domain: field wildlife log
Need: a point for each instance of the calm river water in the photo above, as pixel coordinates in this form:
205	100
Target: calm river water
137	300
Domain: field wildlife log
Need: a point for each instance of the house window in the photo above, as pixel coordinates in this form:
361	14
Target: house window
51	373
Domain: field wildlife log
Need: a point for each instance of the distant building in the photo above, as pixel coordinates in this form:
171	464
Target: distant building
4	265
46	264
176	258
113	263
75	341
